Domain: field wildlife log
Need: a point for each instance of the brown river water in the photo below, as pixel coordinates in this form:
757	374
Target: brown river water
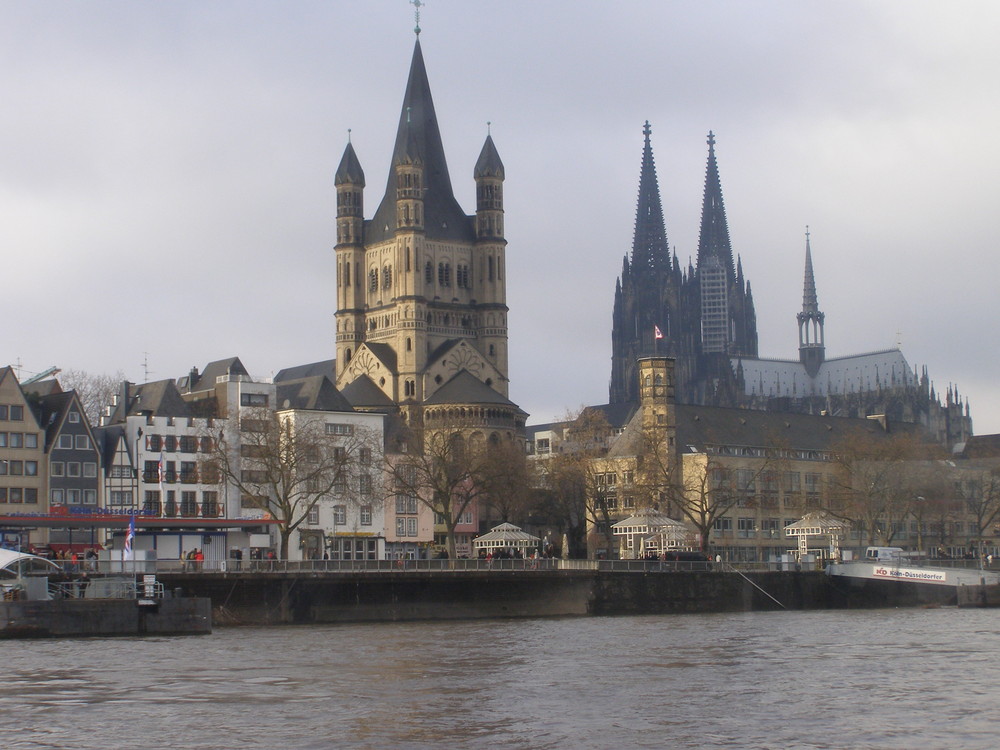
923	678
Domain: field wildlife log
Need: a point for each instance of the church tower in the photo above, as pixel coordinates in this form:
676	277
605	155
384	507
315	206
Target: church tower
812	344
421	315
648	293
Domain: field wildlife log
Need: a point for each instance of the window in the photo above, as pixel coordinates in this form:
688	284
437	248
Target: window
90	470
90	497
121	472
57	469
444	274
400	527
31	469
73	469
429	273
189	503
210	504
373	280
386	277
82	443
724	525
365	484
17	440
169	444
154	443
56	497
365	456
16	468
30	440
30	495
339	429
339	515
151	503
366	515
411	526
74	417
65	442
121	497
313	519
188	444
73	497
3	439
253	399
745	527
3	411
16	413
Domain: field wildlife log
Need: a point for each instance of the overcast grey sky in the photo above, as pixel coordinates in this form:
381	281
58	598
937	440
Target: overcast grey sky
166	171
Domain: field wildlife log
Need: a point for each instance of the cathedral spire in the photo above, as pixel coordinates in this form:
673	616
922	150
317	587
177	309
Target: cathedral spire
649	243
418	143
714	236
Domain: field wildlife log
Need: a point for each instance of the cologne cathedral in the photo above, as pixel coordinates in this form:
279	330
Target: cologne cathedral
703	317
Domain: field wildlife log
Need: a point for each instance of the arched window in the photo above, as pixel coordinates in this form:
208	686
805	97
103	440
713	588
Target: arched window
409	345
491	268
429	273
373	280
387	277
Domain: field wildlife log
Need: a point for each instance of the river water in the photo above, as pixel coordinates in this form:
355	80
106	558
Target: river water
924	678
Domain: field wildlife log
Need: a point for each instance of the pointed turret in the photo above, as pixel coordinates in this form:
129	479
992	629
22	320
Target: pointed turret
812	345
649	243
350	183
419	152
489	176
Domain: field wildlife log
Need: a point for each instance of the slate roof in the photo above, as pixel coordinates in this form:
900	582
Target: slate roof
418	139
161	398
326	367
982	446
385	354
349	171
701	426
489	164
51	411
212	372
466	388
317	393
363	393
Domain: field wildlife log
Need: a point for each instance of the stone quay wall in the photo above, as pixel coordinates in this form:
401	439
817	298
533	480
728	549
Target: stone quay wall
261	598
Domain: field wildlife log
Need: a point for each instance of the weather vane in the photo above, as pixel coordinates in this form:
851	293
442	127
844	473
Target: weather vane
416	14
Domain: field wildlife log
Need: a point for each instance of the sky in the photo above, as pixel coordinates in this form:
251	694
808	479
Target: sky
167	197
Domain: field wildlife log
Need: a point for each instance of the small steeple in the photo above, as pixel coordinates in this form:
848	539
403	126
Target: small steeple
812	344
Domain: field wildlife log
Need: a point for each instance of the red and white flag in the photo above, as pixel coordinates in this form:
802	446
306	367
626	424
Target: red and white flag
657	333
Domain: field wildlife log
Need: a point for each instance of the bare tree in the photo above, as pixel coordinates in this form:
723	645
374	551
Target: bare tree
95	390
444	472
980	490
875	479
507	482
284	463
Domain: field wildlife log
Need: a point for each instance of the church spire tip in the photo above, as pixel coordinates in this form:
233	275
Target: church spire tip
417	4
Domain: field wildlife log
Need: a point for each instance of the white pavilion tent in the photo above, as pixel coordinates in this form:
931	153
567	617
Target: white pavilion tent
506	536
650	531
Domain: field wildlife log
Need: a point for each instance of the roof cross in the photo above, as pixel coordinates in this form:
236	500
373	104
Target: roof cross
416	14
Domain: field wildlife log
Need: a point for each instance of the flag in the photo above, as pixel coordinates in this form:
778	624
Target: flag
657	333
129	538
161	472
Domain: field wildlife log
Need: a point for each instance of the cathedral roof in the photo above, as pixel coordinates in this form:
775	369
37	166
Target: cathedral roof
466	388
418	139
385	354
838	375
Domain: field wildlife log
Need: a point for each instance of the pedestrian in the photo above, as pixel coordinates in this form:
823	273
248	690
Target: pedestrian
199	559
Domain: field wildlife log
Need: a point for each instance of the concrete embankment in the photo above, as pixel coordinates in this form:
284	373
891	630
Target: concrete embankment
104	617
332	597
